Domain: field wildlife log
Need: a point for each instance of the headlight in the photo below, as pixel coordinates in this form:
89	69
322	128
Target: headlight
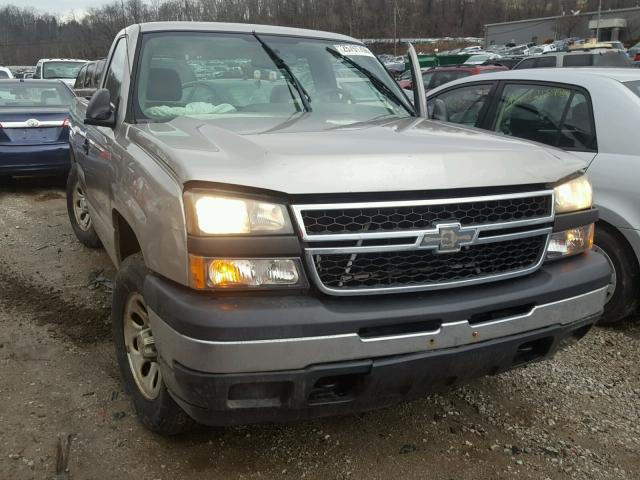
213	214
245	273
574	195
570	242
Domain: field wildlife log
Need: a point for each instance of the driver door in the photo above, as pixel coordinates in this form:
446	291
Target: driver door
100	147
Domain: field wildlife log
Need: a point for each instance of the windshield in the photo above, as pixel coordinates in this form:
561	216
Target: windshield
3	74
26	94
61	69
209	75
634	87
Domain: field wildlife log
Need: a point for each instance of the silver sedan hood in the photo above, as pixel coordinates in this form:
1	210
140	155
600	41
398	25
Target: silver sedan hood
309	154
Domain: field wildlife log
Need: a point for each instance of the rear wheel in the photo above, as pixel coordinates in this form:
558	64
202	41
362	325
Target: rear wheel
77	209
624	287
137	355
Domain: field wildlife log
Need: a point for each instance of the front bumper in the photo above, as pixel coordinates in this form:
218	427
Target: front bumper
34	159
238	359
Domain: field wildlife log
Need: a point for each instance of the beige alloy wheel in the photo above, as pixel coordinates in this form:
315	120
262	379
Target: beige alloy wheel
140	347
80	210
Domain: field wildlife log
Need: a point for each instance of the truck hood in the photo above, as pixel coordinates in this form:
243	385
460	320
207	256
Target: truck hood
308	154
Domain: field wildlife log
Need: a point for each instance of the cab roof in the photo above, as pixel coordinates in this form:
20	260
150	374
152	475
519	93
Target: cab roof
241	28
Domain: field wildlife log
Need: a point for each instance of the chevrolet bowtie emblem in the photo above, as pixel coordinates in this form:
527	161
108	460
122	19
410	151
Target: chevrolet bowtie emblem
448	238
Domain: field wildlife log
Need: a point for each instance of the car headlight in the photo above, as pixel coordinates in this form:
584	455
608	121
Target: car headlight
216	214
574	195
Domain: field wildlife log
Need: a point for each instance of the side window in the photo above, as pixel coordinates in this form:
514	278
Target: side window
553	115
546	62
89	80
115	72
579	60
465	104
527	63
79	83
579	132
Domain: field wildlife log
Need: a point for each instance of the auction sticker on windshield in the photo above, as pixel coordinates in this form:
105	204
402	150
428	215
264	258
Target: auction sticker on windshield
350	50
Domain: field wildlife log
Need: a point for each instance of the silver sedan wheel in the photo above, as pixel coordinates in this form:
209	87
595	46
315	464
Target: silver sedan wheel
611	288
140	347
80	210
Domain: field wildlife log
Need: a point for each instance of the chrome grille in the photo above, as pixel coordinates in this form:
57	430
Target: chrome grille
401	246
416	217
418	267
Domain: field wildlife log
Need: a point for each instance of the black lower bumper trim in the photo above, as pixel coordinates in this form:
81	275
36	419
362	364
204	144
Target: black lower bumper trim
206	316
346	387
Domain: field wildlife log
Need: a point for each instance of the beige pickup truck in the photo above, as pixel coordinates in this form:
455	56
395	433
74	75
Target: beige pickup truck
294	238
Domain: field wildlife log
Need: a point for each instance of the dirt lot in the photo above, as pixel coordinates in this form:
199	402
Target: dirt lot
577	416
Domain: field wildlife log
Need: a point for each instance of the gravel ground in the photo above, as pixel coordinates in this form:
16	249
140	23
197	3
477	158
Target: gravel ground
575	417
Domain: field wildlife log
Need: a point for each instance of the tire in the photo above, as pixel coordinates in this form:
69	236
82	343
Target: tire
82	225
155	407
622	297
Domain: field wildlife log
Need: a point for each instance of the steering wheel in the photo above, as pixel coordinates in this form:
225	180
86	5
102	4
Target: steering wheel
331	94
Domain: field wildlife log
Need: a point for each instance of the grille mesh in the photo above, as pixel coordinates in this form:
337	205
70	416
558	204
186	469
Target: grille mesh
424	267
391	219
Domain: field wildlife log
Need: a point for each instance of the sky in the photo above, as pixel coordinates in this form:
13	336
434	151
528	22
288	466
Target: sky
56	7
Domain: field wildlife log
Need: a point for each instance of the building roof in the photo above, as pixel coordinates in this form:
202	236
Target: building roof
554	17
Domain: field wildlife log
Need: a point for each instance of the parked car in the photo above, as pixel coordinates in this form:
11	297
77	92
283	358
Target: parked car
396	66
509	62
65	69
519	50
5	73
405	80
473	49
293	248
88	78
634	52
603	58
617	46
480	59
34	133
593	113
434	77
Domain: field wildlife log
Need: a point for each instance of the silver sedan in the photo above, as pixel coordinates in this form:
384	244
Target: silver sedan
592	113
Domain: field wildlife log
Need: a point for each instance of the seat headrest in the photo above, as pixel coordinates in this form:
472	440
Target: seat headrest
164	85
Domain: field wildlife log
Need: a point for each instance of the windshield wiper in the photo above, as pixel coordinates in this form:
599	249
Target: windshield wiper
281	64
379	84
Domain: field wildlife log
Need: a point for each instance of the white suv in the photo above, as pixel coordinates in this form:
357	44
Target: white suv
65	69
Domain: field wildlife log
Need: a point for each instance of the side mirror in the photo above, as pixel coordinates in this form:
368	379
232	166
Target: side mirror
438	110
100	111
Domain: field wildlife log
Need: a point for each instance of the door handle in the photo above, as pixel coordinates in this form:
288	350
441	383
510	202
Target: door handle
85	146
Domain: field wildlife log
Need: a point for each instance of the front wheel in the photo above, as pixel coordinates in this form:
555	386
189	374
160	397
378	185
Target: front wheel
137	355
624	286
78	211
